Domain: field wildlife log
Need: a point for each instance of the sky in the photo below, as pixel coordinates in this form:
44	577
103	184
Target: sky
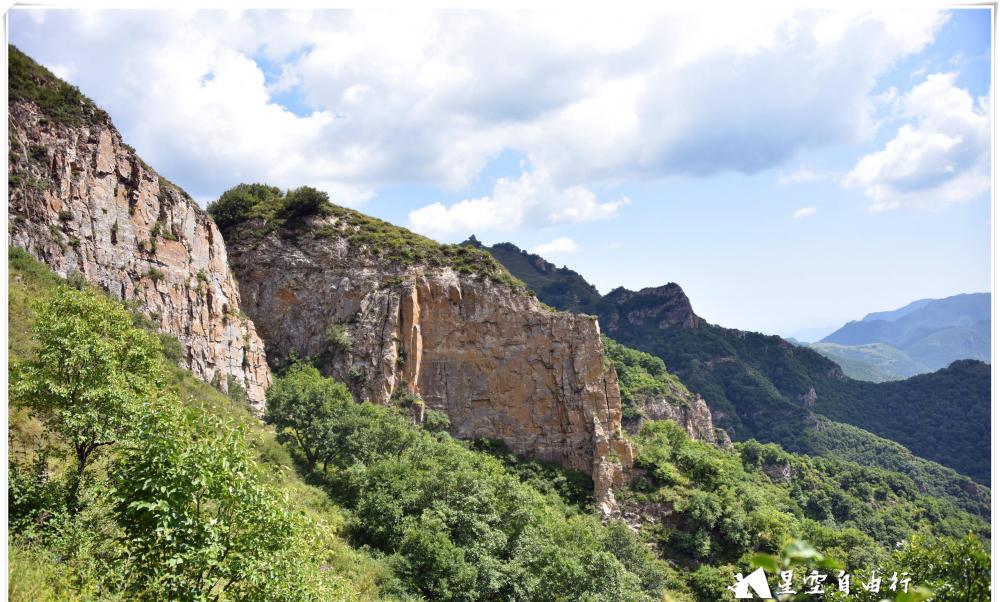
791	170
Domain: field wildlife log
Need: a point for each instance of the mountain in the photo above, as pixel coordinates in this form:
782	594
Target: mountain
875	362
767	388
82	201
931	333
412	317
416	474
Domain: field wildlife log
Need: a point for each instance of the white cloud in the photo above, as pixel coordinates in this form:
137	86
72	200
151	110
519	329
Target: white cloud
803	175
805	212
531	198
381	98
562	244
941	156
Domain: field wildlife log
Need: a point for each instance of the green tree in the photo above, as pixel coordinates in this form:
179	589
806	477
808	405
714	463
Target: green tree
304	202
91	374
954	569
199	521
240	202
302	406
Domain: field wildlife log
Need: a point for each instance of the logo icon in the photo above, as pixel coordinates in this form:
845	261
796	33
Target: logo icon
756	581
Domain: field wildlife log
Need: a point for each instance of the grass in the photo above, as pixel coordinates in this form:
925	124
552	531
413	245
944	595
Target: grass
35	574
57	100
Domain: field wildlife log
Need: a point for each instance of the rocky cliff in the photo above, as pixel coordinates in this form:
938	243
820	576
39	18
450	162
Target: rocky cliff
394	314
693	415
81	200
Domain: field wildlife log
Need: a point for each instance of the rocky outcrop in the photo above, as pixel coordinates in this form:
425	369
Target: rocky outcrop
661	307
692	414
82	201
498	362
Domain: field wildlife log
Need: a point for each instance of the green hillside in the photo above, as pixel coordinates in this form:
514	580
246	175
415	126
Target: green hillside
390	510
874	362
766	388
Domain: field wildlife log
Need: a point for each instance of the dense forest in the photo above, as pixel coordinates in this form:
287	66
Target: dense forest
162	484
766	388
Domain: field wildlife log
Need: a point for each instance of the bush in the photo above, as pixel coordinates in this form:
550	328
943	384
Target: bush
436	421
171	348
302	406
304	202
458	525
239	204
338	338
199	519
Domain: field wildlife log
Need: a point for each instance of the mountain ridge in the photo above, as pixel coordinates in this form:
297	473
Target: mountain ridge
763	386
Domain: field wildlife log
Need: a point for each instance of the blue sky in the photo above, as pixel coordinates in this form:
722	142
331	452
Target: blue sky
791	170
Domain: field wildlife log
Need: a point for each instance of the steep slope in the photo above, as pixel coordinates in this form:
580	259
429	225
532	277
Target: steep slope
764	387
39	572
396	315
931	332
81	200
650	393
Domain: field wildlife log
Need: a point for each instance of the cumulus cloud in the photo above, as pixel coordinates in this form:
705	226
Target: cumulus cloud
532	198
562	244
940	156
805	212
358	101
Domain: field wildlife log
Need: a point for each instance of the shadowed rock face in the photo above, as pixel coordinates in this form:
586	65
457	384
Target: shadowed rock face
497	361
661	307
82	201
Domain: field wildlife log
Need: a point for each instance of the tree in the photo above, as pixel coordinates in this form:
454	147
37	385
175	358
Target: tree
304	202
199	521
302	405
238	203
91	374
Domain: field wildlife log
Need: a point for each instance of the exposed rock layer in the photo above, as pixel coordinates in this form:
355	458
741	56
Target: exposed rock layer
81	200
693	415
495	359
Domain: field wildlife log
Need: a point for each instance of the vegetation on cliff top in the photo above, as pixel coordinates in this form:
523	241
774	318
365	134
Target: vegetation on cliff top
59	101
642	376
258	209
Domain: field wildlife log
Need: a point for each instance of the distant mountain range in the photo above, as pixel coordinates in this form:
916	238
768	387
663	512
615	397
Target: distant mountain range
766	388
921	337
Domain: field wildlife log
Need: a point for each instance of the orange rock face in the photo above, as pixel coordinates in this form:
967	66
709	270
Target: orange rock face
498	362
82	201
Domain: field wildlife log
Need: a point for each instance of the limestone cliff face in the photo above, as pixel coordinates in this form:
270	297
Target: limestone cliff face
81	200
495	359
693	414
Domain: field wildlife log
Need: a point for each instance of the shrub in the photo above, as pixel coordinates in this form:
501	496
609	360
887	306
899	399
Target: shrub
338	338
436	421
304	202
198	518
239	204
171	348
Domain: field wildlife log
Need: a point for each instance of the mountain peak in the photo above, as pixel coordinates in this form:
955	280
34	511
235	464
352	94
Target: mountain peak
662	307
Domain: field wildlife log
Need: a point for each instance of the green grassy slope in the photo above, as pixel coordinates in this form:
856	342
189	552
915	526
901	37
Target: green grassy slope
36	574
